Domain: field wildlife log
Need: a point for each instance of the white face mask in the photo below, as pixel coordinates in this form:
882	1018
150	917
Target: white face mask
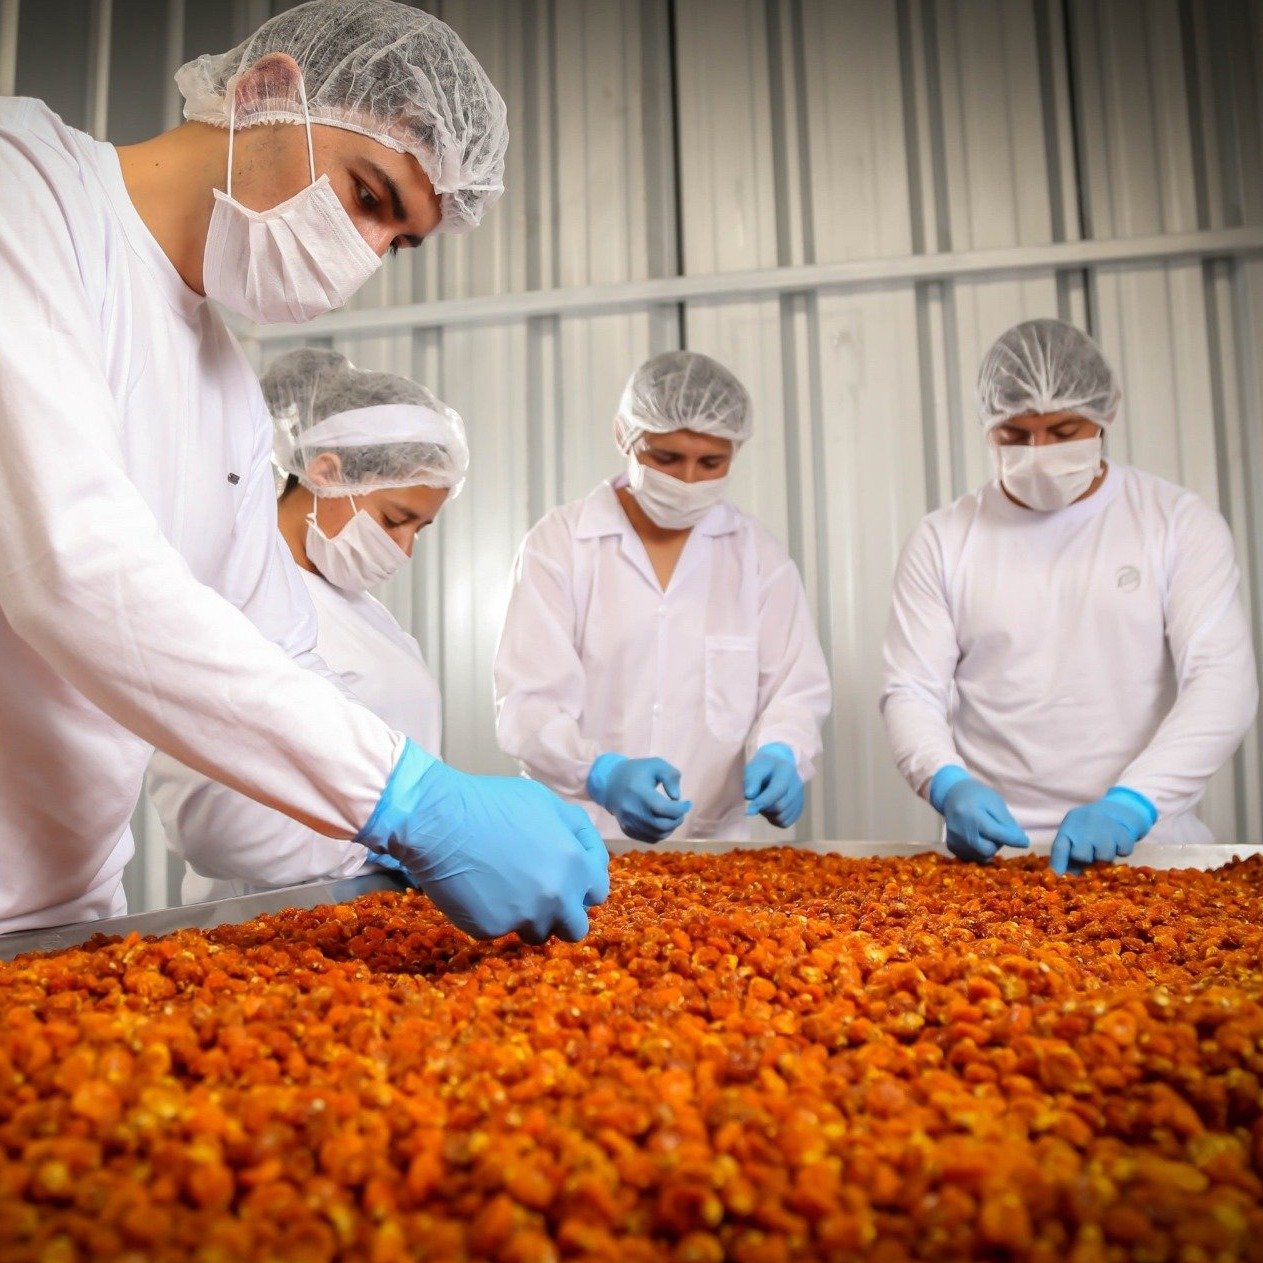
289	264
672	503
360	556
1050	477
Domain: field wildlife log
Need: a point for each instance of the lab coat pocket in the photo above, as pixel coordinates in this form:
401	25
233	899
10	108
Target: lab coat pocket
732	685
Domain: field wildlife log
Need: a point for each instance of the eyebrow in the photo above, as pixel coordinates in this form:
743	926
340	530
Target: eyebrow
397	208
396	201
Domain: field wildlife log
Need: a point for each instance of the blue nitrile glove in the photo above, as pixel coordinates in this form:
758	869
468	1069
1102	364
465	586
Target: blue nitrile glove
628	790
494	853
389	864
1103	830
772	785
978	821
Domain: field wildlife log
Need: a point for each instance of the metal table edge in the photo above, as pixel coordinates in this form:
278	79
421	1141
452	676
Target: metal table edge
198	916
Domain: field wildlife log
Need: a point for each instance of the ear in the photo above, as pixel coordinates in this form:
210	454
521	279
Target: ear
325	470
273	79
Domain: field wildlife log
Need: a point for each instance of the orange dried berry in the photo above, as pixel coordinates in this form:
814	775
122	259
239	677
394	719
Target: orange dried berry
760	1056
210	1186
698	1247
98	1102
52	1179
1003	1220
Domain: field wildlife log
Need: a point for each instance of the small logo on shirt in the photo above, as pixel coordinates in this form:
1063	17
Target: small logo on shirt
1128	579
234	479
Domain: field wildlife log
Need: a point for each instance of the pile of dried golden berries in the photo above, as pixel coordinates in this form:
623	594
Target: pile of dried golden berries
760	1056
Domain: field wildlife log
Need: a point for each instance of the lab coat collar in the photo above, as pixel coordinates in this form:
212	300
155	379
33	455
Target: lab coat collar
603	515
141	240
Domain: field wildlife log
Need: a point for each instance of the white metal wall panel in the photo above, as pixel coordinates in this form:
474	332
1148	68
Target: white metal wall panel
1235	312
728	189
604	207
871	496
855	147
658	138
992	125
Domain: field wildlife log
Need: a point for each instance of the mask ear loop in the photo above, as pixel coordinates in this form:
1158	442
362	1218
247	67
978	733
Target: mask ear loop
314	519
311	153
314	516
232	125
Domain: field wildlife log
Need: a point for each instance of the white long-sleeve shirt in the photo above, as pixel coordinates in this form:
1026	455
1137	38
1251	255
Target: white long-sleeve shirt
1055	655
595	657
144	596
235	845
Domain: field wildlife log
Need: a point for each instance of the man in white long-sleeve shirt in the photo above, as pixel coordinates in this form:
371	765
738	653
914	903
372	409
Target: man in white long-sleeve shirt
1067	657
144	597
658	662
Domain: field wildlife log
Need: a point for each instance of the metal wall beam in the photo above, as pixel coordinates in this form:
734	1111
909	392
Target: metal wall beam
856	273
8	46
99	69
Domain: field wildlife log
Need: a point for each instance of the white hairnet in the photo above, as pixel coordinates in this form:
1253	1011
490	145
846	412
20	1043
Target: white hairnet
1043	366
386	431
683	390
385	70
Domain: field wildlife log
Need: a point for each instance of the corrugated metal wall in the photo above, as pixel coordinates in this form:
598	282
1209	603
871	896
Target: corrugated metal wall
846	200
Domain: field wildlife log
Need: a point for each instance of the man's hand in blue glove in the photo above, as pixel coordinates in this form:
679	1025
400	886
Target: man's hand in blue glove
978	820
628	790
1102	831
494	853
772	785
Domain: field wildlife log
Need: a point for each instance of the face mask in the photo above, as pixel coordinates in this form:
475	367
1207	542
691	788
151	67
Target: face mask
286	265
1051	477
360	556
671	503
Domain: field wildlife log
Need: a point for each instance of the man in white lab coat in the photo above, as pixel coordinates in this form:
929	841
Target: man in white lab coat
144	594
658	662
371	459
1067	658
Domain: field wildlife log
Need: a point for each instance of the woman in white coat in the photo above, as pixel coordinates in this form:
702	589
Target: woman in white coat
369	459
658	662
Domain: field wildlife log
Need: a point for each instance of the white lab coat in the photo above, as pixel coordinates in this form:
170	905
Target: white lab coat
1057	654
235	845
139	558
595	657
